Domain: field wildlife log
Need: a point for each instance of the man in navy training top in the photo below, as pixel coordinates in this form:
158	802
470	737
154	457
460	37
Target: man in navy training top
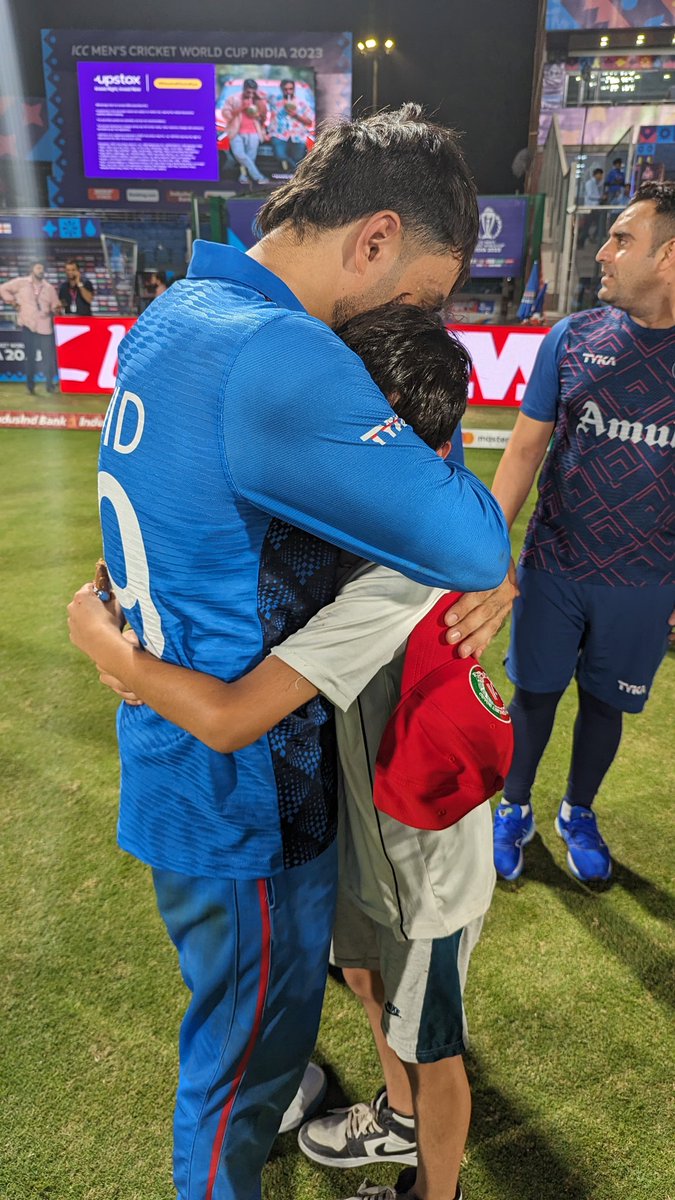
243	445
597	572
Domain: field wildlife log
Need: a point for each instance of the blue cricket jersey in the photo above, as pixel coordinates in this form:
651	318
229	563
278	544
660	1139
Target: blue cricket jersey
244	443
605	512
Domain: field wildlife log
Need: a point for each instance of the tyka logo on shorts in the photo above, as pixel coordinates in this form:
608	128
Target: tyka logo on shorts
633	689
391	1009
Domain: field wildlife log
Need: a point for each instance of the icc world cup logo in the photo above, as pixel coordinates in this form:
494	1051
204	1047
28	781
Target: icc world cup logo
490	224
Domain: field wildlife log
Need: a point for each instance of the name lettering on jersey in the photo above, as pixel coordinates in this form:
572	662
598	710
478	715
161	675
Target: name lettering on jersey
634	689
599	360
391	427
122	402
592	421
137	590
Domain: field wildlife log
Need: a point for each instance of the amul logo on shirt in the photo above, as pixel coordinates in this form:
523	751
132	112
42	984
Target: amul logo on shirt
486	693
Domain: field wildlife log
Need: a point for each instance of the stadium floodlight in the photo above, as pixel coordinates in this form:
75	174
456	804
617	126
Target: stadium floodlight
375	49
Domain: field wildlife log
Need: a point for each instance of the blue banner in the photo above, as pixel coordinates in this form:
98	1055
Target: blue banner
52	228
501	237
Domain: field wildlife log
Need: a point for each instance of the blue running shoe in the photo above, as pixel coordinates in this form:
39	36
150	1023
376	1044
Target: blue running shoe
512	831
587	854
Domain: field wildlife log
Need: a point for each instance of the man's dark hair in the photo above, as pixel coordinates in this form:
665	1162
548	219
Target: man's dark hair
287	83
421	368
250	83
72	262
393	160
160	276
662	196
598	171
616	161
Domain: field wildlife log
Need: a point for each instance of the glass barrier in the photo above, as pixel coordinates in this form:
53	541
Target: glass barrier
591	227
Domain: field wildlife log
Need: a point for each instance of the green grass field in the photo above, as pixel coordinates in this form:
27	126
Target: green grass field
569	995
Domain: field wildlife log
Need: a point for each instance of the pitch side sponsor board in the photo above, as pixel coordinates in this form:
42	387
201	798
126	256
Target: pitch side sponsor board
503	356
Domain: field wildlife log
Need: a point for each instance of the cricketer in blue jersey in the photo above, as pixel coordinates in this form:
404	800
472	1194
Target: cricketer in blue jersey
243	445
597	572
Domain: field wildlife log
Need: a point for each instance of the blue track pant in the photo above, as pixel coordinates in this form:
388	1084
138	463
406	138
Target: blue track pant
254	955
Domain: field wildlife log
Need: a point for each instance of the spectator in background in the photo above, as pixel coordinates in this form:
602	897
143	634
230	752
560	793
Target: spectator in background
591	224
35	301
157	284
290	120
593	188
76	293
245	117
616	182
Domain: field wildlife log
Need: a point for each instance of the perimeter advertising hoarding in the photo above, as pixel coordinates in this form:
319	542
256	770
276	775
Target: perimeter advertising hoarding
503	356
609	14
501	237
159	111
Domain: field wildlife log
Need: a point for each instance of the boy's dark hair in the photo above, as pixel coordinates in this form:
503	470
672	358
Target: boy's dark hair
662	196
393	160
72	262
422	369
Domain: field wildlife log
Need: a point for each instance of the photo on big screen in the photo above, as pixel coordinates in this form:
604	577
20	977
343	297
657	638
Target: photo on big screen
265	121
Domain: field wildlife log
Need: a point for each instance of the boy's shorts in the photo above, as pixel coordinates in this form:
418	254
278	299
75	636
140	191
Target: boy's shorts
612	638
423	1019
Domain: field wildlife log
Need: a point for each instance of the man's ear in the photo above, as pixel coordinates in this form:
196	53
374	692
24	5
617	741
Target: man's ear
444	450
378	241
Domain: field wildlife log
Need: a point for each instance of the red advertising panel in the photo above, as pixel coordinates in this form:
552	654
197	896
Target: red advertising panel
86	351
503	356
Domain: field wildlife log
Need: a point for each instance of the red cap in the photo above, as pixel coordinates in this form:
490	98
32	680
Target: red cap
448	744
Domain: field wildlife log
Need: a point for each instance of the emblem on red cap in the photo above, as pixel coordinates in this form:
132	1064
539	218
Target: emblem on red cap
486	693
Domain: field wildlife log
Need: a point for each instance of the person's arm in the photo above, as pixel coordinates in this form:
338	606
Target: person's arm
477	617
86	291
345	469
8	291
519	464
55	303
338	652
225	716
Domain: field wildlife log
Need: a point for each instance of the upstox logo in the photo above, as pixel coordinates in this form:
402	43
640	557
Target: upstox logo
486	694
110	81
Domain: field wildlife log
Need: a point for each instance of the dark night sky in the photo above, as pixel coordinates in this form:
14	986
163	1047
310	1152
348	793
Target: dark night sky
468	60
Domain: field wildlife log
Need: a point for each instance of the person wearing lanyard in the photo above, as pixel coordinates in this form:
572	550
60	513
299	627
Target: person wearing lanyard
76	293
35	301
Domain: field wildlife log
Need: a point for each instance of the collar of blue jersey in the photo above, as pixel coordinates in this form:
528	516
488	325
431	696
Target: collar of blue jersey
211	260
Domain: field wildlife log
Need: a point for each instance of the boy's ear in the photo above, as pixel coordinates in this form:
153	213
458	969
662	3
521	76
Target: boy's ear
444	450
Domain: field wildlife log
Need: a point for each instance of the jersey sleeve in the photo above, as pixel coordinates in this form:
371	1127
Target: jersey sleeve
542	393
323	450
344	646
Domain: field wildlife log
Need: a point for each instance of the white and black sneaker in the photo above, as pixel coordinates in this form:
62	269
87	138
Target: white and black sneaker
359	1135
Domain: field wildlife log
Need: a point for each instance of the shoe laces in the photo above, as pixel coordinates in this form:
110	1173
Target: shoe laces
509	823
362	1119
377	1193
582	827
